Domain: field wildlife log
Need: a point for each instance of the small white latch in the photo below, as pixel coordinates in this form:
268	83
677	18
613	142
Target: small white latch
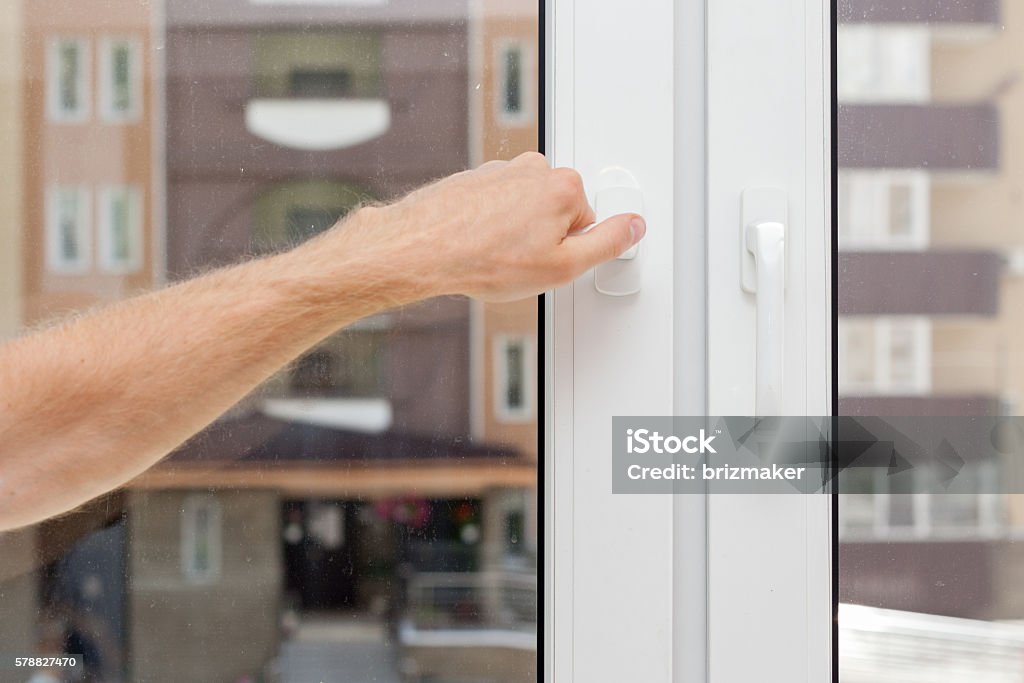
617	193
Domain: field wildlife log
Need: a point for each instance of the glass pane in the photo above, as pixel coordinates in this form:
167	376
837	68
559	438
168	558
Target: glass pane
929	563
370	513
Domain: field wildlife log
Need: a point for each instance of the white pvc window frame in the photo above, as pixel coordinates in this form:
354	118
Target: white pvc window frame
55	109
699	101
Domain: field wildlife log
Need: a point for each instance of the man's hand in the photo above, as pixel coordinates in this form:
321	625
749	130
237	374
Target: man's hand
96	401
505	231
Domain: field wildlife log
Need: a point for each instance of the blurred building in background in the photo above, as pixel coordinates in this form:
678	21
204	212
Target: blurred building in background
11	148
89	165
81	142
17	581
504	110
381	487
931	287
503	122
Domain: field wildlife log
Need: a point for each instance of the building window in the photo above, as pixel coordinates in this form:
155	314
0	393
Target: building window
305	222
884	211
200	539
120	234
513	109
325	83
67	79
513	378
119	80
880	356
67	230
890	64
881	505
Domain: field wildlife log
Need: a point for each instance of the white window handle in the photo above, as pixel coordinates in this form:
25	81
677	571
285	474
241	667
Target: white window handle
764	274
618	192
767	242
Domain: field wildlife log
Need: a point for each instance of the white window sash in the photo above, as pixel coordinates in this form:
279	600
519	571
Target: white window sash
622	570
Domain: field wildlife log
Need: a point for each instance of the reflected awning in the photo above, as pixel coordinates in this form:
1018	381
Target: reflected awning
257	451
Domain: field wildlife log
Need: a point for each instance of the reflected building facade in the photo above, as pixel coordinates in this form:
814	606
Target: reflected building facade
931	293
158	140
81	141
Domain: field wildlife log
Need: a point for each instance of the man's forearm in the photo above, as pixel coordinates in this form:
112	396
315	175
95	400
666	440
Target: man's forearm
89	405
139	378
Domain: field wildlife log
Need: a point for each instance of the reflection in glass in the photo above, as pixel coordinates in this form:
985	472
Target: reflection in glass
930	323
370	513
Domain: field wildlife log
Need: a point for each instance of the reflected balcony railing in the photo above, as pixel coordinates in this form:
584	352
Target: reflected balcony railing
933	12
938	138
979	404
881	645
934	282
490	600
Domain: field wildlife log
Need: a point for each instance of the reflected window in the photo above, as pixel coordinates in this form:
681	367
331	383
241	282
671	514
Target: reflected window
120	229
119	79
876	503
885	355
336	63
225	130
890	64
511	91
879	211
68	79
513	378
293	212
323	83
68	229
201	539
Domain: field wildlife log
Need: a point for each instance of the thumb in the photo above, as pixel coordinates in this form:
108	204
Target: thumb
607	239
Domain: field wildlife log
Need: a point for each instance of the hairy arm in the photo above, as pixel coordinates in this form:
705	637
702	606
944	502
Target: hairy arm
87	405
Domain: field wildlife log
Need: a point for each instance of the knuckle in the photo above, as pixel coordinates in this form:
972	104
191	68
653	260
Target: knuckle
568	189
569	183
534	158
571	177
